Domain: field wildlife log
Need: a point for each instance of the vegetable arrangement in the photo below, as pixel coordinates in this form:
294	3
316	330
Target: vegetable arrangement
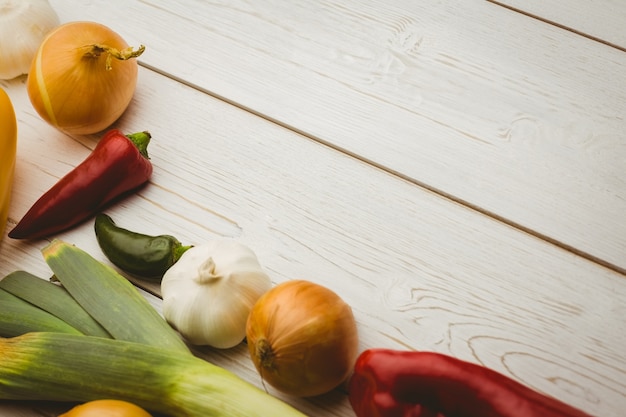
8	148
390	383
144	361
93	338
117	165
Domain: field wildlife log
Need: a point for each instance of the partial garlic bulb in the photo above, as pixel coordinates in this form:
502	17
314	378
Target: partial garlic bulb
23	25
209	292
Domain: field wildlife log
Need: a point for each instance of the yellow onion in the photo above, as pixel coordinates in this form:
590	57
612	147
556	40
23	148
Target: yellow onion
83	77
106	408
302	338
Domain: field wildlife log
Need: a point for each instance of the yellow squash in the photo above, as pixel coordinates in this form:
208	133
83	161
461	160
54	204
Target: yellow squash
8	147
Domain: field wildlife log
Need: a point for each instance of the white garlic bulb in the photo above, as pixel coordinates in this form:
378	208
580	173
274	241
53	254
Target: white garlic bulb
23	26
209	292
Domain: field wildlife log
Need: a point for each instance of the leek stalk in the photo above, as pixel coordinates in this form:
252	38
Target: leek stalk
110	298
18	317
63	367
53	299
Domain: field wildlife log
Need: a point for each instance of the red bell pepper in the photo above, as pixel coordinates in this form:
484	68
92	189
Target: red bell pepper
390	383
117	165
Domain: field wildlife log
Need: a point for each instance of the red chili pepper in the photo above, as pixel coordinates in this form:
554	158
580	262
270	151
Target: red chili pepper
390	383
117	165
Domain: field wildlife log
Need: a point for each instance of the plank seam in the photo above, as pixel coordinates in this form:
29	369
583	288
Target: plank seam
559	25
414	181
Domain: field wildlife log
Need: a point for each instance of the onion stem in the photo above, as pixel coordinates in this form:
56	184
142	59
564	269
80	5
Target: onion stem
127	53
265	353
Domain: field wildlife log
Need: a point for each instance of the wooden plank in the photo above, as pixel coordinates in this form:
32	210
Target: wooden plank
506	114
419	271
600	20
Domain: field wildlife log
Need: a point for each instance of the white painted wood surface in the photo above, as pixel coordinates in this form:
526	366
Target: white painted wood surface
515	117
600	19
419	270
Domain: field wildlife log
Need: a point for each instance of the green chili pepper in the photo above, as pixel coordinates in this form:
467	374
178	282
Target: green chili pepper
136	253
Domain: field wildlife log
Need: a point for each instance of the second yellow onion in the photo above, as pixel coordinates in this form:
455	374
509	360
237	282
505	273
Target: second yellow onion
106	408
83	77
302	338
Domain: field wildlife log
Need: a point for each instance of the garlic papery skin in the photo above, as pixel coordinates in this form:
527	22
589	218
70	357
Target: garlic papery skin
209	292
23	26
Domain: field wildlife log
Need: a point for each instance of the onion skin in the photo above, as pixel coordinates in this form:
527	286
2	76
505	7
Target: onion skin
302	338
69	83
106	408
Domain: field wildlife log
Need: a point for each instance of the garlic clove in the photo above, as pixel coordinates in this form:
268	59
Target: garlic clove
23	26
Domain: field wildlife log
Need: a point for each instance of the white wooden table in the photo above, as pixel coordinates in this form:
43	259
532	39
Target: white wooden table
456	170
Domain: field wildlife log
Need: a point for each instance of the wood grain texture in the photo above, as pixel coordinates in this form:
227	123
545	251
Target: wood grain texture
516	118
602	20
419	271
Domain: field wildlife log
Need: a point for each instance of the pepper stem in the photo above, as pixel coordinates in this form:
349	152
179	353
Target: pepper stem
179	250
123	55
141	141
